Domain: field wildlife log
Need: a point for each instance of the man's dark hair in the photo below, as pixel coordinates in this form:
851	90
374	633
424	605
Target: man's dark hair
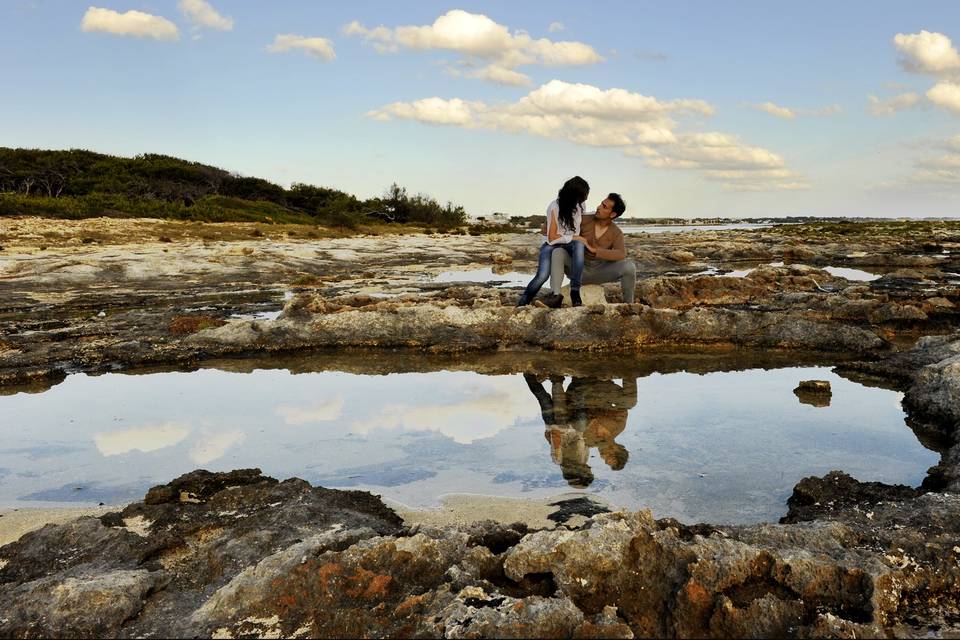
619	206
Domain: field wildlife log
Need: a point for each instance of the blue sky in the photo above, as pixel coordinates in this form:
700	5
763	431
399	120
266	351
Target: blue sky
663	102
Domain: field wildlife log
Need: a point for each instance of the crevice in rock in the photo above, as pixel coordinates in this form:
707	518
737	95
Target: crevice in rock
499	538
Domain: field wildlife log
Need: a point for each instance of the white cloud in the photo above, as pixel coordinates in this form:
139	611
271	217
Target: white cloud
952	144
500	75
202	14
888	106
131	23
946	95
556	26
788	113
150	438
316	47
829	110
927	52
775	110
478	38
939	168
643	126
214	447
322	412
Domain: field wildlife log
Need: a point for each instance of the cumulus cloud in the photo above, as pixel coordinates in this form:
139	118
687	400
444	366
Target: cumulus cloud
478	39
321	412
317	47
927	52
132	23
202	14
556	26
643	126
888	106
149	438
946	95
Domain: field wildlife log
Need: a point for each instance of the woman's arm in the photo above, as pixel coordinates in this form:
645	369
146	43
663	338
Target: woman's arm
553	228
552	232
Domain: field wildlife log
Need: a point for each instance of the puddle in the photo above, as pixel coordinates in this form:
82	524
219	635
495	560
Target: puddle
486	275
259	315
855	275
270	314
682	228
723	446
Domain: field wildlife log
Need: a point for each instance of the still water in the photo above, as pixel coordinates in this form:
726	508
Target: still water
725	446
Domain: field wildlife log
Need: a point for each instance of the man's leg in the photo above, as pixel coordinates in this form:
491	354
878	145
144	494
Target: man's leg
560	263
598	272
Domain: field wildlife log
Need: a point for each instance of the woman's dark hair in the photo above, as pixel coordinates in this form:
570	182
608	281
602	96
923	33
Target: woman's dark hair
574	191
619	206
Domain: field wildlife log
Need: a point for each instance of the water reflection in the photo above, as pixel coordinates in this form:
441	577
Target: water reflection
589	413
696	437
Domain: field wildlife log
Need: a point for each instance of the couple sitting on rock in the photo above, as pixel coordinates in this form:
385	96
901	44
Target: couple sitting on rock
589	248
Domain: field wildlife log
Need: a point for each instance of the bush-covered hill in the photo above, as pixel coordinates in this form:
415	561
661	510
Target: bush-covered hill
79	184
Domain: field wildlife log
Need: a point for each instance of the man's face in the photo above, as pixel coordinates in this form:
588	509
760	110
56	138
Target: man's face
605	210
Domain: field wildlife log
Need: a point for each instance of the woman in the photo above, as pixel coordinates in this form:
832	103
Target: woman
563	234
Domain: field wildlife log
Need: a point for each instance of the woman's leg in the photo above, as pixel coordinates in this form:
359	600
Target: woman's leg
543	273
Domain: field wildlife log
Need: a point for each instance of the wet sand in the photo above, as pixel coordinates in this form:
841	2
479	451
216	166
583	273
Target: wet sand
16	522
456	509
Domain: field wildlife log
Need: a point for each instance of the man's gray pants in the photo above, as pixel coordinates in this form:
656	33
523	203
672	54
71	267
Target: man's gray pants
596	272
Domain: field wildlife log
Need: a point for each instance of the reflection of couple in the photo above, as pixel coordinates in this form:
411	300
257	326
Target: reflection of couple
589	248
588	413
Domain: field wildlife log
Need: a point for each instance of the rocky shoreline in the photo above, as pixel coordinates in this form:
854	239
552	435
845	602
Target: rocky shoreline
239	554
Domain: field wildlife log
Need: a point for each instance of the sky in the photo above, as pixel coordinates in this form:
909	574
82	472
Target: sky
687	109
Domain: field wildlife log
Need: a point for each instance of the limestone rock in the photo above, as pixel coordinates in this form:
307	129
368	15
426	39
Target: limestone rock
590	294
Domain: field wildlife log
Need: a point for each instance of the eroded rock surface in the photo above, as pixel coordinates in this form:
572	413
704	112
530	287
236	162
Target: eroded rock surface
128	298
284	559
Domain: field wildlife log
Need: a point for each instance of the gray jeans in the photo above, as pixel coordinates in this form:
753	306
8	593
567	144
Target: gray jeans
596	272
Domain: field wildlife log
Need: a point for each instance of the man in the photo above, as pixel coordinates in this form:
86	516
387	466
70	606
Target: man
589	413
606	254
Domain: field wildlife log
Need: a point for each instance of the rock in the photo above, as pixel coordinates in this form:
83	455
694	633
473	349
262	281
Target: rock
681	256
199	485
591	294
814	392
833	493
896	312
501	258
936	304
282	559
84	604
813	386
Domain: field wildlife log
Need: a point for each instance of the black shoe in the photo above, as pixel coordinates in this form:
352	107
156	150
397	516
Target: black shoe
522	302
553	300
575	297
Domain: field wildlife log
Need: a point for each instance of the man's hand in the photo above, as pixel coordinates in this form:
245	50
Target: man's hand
585	243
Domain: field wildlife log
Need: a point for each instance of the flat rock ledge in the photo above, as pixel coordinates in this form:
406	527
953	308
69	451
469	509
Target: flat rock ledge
242	555
451	326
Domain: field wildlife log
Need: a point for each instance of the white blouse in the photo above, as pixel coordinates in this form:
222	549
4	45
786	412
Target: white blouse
566	233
